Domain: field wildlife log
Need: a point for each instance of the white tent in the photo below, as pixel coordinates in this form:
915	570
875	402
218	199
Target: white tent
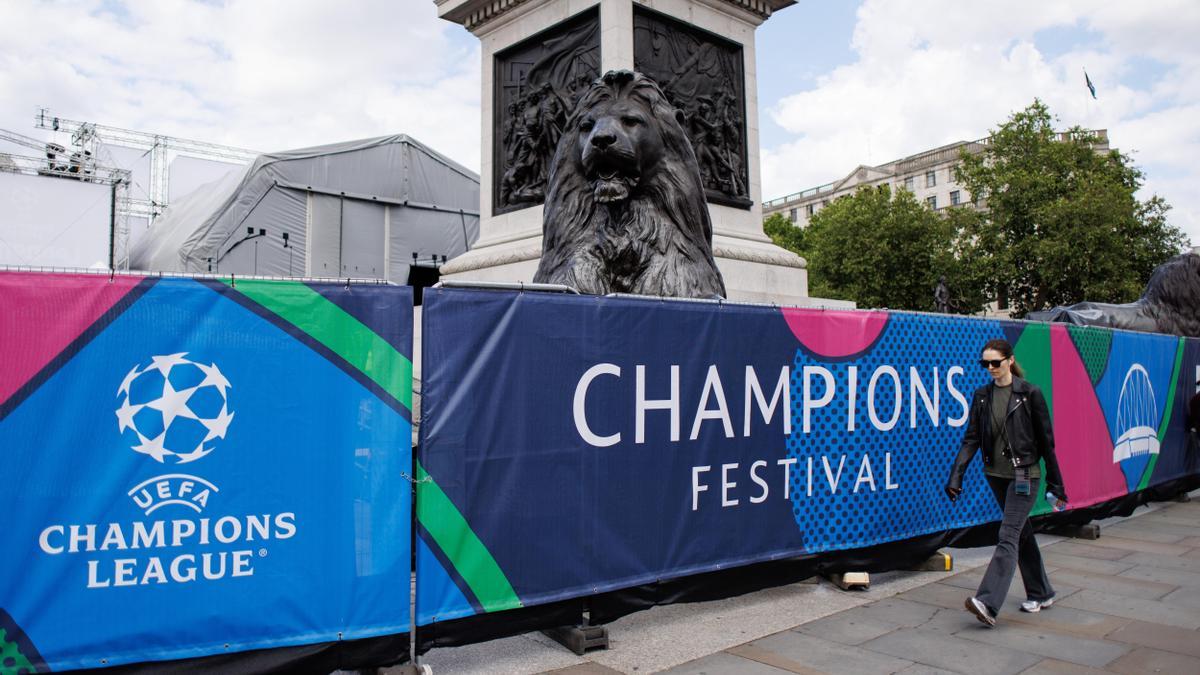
357	209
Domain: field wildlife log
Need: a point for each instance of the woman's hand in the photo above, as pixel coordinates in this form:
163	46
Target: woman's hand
953	492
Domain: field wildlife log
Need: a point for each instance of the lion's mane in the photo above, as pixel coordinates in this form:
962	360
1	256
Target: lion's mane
658	240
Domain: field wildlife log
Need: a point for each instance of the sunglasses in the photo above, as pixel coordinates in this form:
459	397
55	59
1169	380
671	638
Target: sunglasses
991	363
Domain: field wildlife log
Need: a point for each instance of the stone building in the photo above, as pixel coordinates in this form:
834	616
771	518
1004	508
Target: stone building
929	175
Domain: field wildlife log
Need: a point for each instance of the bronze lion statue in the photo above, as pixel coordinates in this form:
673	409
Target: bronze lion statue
625	209
1171	303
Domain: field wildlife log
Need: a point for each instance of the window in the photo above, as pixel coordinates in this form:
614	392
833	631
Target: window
932	202
930	179
908	183
792	215
810	209
955	199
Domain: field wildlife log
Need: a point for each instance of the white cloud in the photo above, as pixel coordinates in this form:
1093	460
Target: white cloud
263	74
938	71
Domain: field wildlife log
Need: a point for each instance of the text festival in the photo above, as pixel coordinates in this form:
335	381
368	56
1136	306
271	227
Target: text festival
818	389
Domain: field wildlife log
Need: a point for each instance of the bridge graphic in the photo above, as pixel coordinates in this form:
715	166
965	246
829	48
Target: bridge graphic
1137	417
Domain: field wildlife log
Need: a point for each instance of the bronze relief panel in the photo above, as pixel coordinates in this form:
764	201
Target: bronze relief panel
701	74
537	83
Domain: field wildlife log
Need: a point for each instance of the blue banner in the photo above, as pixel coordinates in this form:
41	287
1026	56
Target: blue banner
573	445
198	467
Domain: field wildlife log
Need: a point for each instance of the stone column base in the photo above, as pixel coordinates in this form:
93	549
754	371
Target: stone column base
754	271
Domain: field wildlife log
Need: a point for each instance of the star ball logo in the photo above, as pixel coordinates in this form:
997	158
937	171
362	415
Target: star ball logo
175	407
174	410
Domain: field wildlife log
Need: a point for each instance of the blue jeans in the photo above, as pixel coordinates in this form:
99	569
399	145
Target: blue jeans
1017	547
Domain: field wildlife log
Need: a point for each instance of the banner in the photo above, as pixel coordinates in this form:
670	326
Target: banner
573	445
197	467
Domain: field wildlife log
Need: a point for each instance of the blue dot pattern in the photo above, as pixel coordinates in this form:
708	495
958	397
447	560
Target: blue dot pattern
920	457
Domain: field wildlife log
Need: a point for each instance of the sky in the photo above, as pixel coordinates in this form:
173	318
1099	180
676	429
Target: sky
840	83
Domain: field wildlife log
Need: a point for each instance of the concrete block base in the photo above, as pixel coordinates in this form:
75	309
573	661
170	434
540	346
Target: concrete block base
938	562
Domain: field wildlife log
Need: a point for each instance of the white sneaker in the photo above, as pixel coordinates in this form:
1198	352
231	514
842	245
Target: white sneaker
1034	606
980	611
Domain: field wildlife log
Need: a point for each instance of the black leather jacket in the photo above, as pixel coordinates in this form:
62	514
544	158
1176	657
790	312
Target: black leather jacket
1030	434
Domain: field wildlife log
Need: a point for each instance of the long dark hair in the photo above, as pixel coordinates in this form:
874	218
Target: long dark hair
1006	351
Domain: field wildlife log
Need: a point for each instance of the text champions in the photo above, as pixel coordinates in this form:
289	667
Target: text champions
163	535
913	396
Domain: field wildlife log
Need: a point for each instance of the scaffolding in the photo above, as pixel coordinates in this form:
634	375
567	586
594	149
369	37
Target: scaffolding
89	138
79	165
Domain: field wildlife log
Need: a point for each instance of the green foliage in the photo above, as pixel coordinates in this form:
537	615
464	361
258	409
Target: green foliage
1061	223
785	234
883	251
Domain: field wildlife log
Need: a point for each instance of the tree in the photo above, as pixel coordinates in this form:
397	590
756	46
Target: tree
1061	223
883	251
785	234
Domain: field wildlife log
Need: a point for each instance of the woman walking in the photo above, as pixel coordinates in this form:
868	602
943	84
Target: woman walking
1009	420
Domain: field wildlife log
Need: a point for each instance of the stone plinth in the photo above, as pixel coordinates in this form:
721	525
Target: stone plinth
510	241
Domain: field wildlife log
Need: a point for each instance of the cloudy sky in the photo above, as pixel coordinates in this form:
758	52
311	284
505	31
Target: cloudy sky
840	83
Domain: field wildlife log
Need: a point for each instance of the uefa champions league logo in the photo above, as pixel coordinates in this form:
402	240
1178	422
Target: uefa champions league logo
174	408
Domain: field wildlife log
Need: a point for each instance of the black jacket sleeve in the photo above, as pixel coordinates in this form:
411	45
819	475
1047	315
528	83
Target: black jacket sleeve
1043	433
970	444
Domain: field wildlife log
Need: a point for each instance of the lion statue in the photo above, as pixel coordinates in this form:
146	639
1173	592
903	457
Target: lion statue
1171	303
625	209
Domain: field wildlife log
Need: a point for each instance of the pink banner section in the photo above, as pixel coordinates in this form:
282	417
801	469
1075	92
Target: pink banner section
44	313
1081	437
835	334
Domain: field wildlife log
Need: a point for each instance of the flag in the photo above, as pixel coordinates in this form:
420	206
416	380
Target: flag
1091	87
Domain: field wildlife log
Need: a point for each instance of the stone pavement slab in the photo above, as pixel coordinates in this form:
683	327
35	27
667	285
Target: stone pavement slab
1108	583
969	582
1083	651
1158	636
1146	660
1188	598
1128	544
922	669
1061	619
1166	533
938	595
951	652
1142	534
1164	561
830	657
1089	550
896	611
1056	667
1134	608
1060	559
1162	576
1174	517
847	630
724	663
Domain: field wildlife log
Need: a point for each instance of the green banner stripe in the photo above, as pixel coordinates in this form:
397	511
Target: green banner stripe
330	325
1166	419
9	649
471	559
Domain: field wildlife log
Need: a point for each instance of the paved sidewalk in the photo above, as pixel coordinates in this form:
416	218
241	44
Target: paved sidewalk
1128	602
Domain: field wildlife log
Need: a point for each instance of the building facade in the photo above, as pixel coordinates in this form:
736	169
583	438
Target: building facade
928	175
